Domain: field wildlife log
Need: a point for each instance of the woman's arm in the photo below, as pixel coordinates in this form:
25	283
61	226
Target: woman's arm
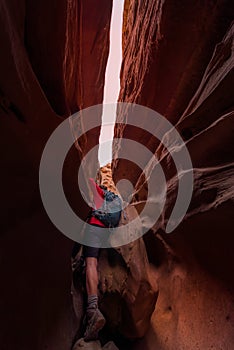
98	193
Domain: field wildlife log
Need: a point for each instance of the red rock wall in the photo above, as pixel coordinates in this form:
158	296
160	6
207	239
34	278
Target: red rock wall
52	64
46	48
164	68
182	67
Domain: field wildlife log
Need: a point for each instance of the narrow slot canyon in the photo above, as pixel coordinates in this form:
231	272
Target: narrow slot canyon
112	84
163	291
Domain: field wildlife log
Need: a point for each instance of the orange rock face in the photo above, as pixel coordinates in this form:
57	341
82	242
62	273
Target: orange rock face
178	60
175	291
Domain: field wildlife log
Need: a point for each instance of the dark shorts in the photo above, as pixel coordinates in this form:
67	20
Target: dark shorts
93	233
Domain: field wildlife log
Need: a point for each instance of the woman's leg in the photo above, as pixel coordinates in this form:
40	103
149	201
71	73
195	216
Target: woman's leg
95	319
91	276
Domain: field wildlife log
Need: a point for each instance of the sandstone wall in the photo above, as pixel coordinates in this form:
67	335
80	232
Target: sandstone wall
46	47
178	60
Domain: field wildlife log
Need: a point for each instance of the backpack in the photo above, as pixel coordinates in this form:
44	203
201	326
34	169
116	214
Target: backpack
110	211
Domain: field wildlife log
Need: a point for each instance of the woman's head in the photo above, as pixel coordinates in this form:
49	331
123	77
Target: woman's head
104	178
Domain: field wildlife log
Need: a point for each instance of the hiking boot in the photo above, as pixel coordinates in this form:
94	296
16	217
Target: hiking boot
95	322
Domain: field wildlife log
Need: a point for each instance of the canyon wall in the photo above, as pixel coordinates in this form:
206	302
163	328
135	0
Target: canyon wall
175	291
178	60
53	58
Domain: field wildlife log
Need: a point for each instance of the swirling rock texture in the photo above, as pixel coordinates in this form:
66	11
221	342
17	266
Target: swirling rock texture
178	60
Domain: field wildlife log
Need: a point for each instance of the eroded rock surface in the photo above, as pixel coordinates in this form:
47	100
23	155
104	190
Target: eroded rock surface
53	57
187	78
93	345
162	67
178	60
